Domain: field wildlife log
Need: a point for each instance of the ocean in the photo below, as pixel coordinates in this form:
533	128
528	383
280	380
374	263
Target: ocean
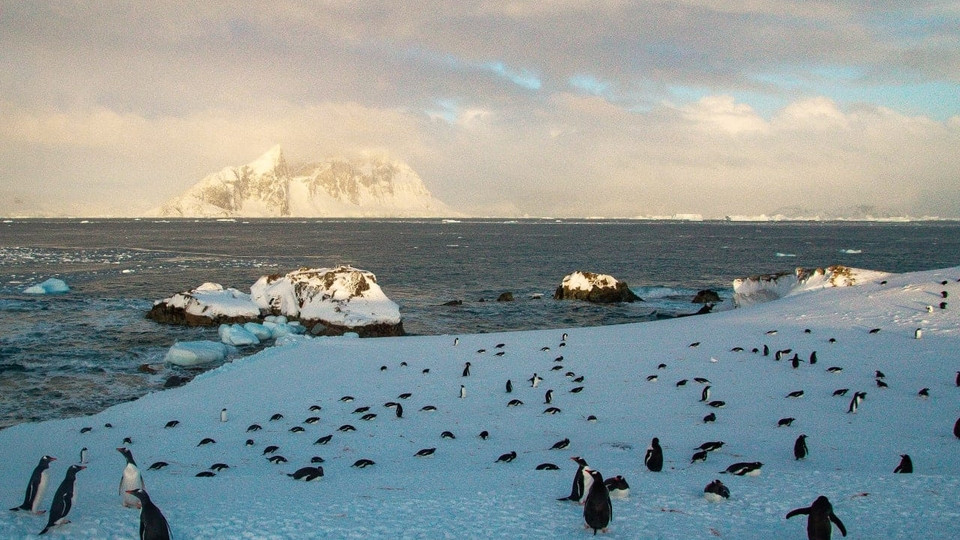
80	352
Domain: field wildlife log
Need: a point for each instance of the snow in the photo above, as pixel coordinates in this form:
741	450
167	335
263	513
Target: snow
460	492
586	281
212	300
764	288
50	286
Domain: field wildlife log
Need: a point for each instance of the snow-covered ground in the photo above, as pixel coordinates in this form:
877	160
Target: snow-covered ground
460	492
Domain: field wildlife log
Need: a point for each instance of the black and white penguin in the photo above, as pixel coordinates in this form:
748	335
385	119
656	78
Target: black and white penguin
548	397
705	394
83	455
561	445
699	455
918	333
535	380
153	526
856	401
958	379
399	410
795	361
618	487
307	474
813	358
456	341
654	456
36	487
509	386
905	466
716	491
130	479
597	508
800	448
818	524
956	429
711	446
749	468
463	391
223	415
466	369
785	422
507	458
577	491
63	499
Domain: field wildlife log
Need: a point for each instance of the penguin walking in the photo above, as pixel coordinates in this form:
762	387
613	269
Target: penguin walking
918	333
509	386
130	480
818	524
36	487
654	456
705	394
83	455
223	415
548	397
466	369
597	508
577	491
63	499
463	391
153	526
535	380
800	448
856	401
905	466
399	410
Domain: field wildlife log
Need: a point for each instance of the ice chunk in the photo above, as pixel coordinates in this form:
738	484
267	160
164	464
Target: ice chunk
193	353
50	286
237	335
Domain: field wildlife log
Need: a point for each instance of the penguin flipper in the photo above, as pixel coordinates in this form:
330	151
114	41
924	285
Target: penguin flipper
836	521
798	512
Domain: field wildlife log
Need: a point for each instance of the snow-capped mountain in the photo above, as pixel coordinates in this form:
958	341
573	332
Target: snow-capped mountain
268	187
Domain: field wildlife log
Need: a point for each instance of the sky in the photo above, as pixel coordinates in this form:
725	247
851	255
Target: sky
562	108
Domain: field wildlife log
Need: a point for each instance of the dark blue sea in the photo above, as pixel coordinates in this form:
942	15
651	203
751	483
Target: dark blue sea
80	352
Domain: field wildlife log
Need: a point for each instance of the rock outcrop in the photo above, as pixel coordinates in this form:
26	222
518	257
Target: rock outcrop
598	288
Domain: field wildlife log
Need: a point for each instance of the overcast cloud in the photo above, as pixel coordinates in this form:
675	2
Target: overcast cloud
541	108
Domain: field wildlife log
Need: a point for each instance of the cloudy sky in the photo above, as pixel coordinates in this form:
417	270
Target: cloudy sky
542	108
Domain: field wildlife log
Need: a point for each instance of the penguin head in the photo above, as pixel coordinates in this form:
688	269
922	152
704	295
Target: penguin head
48	459
140	494
126	453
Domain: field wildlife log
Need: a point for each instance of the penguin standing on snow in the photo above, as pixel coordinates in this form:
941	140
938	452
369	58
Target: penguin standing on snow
63	499
463	391
716	491
597	508
800	448
956	429
466	369
36	487
548	397
818	524
705	394
905	466
130	480
153	526
855	402
576	491
654	457
509	386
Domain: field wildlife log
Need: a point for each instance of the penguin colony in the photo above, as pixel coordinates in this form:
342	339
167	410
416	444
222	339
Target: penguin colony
590	490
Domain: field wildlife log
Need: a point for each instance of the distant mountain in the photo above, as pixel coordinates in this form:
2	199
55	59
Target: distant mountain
268	187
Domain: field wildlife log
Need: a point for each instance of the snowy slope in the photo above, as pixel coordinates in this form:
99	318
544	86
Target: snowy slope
461	492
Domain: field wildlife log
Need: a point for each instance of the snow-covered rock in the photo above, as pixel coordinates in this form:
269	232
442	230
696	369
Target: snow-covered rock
599	288
195	353
208	305
764	288
341	299
50	286
268	187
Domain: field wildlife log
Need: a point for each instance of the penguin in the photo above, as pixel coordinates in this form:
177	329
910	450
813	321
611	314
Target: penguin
83	455
307	474
711	446
576	491
841	391
425	452
548	397
654	457
795	361
466	369
399	410
36	487
800	448
855	402
223	415
924	392
157	465
507	458
699	455
905	466
463	391
561	445
818	524
509	386
270	449
456	341
958	379
813	358
918	333
705	394
597	508
712	417
63	499
750	468
766	350
785	422
535	380
547	467
171	424
363	463
716	491
956	429
618	487
130	480
153	526
448	435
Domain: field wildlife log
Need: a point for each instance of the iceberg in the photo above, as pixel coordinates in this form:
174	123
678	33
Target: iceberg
50	286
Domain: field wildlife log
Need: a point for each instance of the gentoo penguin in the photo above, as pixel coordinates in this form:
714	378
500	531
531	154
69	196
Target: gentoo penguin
918	333
307	474
705	394
463	391
711	446
36	487
535	380
905	466
456	341
855	402
576	491
548	397
750	468
509	386
818	524
223	415
716	491
785	422
561	445
83	455
507	458
153	526
617	487
654	457
63	499
800	447
597	508
130	480
466	369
